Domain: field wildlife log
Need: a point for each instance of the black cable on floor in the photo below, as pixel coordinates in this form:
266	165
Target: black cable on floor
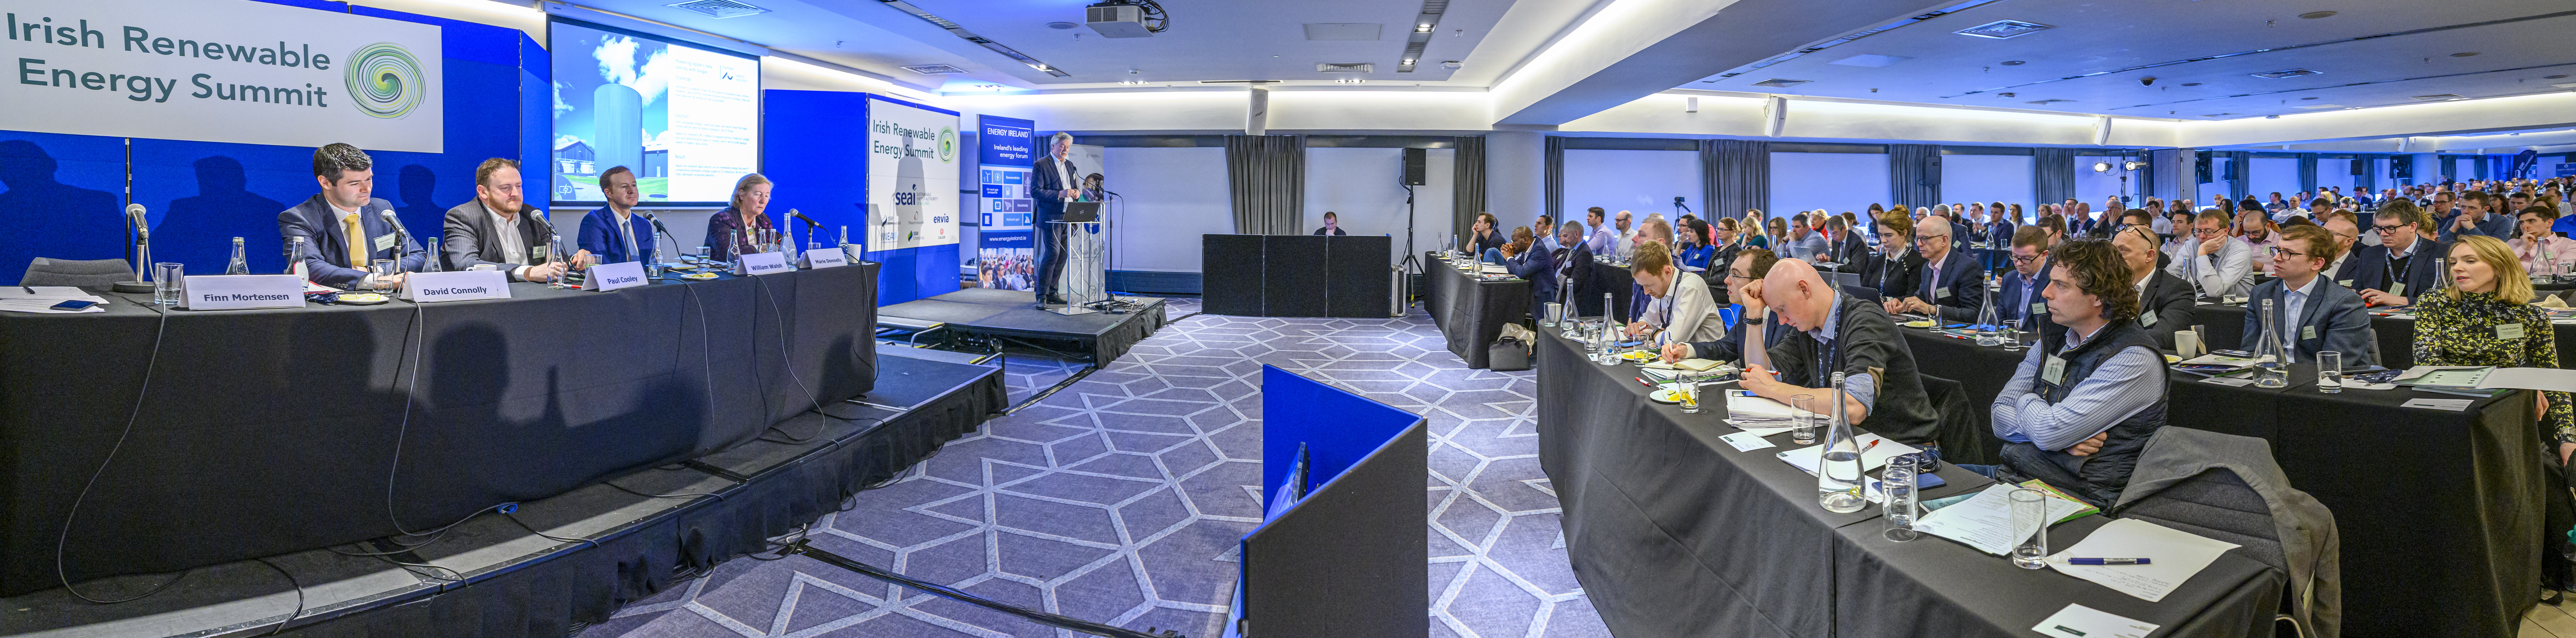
64	540
299	595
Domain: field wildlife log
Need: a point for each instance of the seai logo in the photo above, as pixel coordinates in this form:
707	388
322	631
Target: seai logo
385	80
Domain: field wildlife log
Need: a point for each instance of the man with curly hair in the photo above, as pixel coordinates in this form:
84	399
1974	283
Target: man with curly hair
2083	404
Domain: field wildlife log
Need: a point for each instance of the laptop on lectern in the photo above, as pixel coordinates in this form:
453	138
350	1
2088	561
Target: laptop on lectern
1081	212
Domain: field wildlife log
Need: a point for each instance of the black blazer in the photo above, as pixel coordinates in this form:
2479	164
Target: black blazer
2369	268
1047	189
2169	301
1957	288
1893	277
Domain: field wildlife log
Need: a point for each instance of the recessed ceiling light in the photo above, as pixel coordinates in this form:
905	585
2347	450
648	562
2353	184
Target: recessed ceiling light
1780	83
2287	73
2307	98
2012	63
1870	60
2464	54
2553	77
2312	15
2047	102
1061	25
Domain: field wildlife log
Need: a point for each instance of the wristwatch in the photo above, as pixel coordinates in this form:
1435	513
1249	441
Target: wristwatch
1751	321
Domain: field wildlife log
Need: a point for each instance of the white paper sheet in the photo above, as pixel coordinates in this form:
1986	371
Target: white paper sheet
2549	379
2176	555
2078	621
1985	521
1746	441
1807	458
2454	405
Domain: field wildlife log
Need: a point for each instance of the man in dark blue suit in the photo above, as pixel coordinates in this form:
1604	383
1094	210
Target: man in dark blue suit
614	232
2402	265
1052	184
2017	292
2310	314
1951	285
1528	260
345	227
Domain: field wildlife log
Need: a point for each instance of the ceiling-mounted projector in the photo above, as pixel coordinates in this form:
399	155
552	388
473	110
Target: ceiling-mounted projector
1125	18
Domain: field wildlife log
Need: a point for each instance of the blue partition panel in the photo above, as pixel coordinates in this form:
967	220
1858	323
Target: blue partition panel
63	197
1337	427
814	146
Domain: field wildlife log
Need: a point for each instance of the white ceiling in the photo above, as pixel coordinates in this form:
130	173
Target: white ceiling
1942	67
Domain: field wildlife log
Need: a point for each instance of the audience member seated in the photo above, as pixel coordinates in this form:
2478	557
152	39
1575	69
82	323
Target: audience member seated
1896	268
1843	246
2017	292
2403	264
1694	249
2541	250
1527	260
2347	239
2310	314
2164	302
1744	284
1486	239
1680	309
1835	332
2486	319
1332	225
2479	215
2259	235
2083	404
1804	242
2217	264
1950	285
1574	264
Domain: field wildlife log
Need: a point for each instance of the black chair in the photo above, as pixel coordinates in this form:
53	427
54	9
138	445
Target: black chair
1962	435
91	273
2228	488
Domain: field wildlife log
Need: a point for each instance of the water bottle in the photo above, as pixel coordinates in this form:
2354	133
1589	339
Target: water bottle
1838	471
555	255
1987	335
2271	361
431	264
295	255
239	265
1897	482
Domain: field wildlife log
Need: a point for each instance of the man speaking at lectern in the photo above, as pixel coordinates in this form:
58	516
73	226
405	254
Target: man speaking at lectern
1054	185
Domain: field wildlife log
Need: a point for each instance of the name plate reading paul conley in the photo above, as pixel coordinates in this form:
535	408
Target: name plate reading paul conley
614	276
241	292
462	285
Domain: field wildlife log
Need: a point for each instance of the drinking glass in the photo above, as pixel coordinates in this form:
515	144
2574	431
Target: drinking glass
1802	419
2030	525
1897	483
2330	372
2012	335
1549	317
384	269
1689	393
165	283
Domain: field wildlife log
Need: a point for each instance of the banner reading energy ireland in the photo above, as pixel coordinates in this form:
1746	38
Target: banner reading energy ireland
912	175
1005	149
221	71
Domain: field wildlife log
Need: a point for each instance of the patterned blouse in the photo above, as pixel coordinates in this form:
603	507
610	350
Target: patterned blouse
2463	333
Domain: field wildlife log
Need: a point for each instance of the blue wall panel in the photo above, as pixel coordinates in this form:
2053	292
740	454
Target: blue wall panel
814	146
63	197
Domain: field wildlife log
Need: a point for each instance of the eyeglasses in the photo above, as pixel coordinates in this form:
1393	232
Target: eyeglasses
2389	229
1730	275
1931	237
2019	259
2277	252
2206	232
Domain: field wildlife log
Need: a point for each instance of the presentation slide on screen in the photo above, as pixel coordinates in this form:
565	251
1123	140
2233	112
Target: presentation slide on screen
686	120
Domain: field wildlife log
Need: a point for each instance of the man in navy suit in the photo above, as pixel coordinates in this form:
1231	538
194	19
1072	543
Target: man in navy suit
344	226
2165	302
1529	260
1951	285
1052	184
614	232
2347	238
2310	314
2402	265
2017	292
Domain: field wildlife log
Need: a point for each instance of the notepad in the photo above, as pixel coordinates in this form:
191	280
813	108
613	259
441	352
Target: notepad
2078	621
2177	555
1985	520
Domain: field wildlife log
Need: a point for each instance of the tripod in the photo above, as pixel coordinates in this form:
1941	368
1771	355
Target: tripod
1410	265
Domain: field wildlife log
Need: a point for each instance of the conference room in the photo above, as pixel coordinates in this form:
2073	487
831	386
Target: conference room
1157	319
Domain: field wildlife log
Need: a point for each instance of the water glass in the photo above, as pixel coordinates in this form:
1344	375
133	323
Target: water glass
1802	419
384	269
2012	335
165	283
1897	483
2330	372
1689	391
1554	310
2030	524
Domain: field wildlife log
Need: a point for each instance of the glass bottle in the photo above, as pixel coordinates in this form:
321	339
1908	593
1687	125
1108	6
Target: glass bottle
2271	361
1987	333
431	263
295	255
1838	466
240	264
555	255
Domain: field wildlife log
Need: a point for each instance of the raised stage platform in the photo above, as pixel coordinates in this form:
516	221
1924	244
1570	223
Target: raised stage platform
1103	336
556	564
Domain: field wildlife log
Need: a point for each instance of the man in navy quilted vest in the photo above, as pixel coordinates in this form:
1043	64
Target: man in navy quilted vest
2082	405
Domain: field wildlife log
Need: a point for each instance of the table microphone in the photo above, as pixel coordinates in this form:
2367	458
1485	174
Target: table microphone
134	219
809	221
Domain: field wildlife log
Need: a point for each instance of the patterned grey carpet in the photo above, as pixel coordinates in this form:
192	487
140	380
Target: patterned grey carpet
1120	499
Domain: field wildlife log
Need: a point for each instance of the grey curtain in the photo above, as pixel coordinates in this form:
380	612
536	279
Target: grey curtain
1555	168
2243	161
2052	175
1467	184
1734	175
1914	173
2308	173
2368	180
1266	175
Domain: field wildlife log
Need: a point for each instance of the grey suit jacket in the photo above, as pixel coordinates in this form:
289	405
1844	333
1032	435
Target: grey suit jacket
2341	323
469	229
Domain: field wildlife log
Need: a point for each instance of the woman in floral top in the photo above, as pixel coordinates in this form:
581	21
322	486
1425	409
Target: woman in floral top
2486	319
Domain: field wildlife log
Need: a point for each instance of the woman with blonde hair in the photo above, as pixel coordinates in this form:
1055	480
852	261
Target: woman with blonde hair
744	222
2486	319
1753	235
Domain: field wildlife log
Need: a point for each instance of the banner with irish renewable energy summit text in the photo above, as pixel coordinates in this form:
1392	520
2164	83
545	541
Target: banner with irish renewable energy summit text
220	71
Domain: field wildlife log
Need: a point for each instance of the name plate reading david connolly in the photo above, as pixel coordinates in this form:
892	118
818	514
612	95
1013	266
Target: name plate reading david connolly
461	285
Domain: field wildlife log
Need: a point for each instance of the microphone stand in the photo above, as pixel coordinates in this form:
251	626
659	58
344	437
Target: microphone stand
142	233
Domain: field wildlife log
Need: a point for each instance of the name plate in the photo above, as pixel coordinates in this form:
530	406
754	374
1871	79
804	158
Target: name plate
762	264
614	276
241	292
459	285
825	258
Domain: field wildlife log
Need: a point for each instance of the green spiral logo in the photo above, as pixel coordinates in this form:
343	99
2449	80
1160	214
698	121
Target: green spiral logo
385	80
947	144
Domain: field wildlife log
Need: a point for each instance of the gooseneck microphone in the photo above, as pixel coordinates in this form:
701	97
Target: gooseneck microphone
809	221
135	221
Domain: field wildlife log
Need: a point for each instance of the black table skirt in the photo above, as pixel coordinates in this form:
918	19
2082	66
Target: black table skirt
272	431
2396	336
2440	513
1471	313
1672	532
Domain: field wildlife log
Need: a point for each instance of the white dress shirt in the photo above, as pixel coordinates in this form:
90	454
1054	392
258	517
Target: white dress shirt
1687	311
2230	271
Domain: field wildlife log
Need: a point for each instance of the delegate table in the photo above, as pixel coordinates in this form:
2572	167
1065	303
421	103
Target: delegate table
274	431
1470	312
2439	513
1673	532
2396	335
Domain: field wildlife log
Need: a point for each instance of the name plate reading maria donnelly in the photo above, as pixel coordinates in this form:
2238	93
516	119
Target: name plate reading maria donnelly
614	276
826	258
240	292
762	264
458	285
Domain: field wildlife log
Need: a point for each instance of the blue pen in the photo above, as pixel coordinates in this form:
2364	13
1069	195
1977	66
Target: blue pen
2106	561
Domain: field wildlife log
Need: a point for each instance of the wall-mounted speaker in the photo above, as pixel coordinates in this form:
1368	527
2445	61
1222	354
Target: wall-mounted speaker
2360	167
1415	162
1931	175
2235	171
2200	171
